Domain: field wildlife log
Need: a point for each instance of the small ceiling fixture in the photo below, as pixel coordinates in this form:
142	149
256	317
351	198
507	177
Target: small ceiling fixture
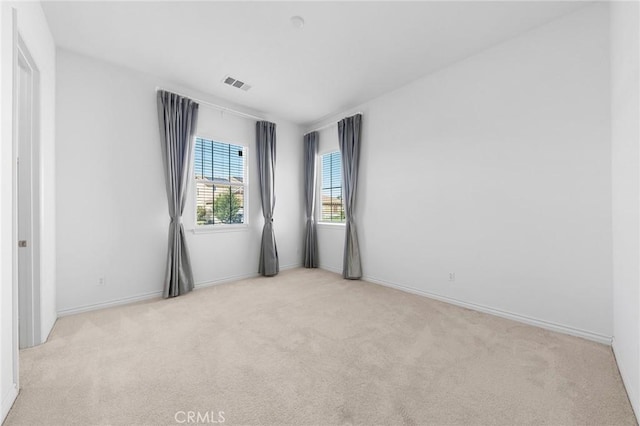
234	82
297	21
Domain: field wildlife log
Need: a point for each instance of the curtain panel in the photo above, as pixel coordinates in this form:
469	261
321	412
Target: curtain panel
310	183
349	134
177	118
266	149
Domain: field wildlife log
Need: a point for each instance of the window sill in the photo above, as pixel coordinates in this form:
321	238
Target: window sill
214	229
330	225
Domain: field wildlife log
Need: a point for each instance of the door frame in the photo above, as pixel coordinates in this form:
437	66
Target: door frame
22	55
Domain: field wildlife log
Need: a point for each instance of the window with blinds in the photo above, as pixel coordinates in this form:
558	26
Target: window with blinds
220	172
331	194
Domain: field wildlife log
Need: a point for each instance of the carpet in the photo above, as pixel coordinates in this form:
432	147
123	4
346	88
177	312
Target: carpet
309	348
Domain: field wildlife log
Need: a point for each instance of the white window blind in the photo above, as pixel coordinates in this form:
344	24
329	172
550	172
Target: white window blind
220	174
331	193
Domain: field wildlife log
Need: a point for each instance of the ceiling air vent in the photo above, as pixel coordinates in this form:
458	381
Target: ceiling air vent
236	83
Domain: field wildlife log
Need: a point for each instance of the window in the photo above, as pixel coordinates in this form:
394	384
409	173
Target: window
331	193
220	171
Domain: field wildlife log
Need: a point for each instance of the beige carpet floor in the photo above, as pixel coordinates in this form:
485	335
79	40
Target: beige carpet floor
308	348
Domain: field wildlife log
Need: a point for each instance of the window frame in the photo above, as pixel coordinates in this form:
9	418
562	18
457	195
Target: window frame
221	227
319	221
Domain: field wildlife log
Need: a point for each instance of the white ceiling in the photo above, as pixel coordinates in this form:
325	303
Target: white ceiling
346	54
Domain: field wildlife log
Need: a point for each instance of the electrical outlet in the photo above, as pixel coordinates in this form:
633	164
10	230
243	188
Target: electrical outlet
101	281
452	276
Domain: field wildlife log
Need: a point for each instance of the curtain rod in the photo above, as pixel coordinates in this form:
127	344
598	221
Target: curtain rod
212	105
329	124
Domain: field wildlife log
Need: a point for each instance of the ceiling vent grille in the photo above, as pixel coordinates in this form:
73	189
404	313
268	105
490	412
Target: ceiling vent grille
233	82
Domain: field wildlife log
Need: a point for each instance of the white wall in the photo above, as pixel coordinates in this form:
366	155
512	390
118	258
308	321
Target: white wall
496	168
239	250
34	30
112	208
625	119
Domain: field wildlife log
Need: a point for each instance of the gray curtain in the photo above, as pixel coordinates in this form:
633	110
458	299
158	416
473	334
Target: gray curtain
349	131
266	143
310	240
177	117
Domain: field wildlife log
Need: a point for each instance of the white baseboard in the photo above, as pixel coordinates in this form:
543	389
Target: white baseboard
548	325
224	280
7	402
232	278
156	294
633	398
109	304
330	268
291	266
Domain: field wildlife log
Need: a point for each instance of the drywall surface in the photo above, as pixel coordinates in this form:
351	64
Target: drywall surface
497	169
625	119
112	208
